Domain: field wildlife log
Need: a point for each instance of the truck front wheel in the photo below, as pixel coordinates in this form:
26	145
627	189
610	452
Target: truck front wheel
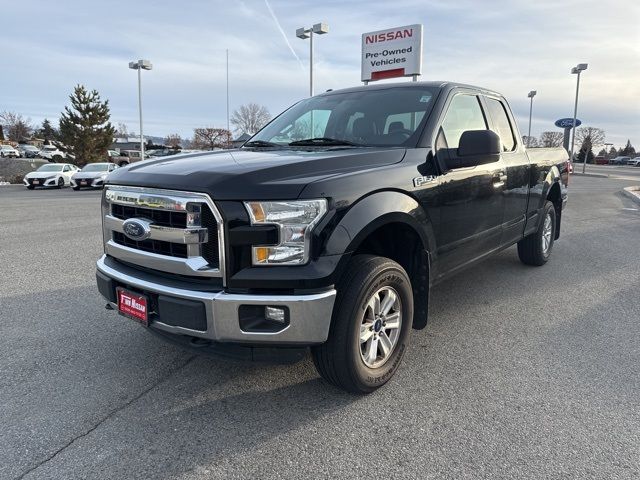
370	327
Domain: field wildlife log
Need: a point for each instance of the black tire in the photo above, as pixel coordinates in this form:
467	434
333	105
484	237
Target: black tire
531	249
56	159
340	361
60	182
123	164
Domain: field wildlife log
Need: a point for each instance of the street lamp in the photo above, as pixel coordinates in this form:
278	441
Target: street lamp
576	71
531	94
606	150
304	33
139	66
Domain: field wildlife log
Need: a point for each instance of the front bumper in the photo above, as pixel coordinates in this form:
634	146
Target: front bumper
87	182
42	182
174	304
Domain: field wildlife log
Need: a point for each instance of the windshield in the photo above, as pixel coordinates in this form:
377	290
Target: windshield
50	168
96	167
390	117
48	147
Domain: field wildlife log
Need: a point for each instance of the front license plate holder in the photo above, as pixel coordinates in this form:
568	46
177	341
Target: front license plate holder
133	305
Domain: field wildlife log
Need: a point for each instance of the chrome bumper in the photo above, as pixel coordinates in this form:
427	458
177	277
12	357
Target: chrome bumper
309	315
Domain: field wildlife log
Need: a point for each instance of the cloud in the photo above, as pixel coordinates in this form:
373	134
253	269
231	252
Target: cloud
511	47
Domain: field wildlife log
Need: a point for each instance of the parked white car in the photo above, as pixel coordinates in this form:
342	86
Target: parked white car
50	175
92	175
52	153
8	151
634	162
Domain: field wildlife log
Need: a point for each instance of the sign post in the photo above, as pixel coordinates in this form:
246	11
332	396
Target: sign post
392	53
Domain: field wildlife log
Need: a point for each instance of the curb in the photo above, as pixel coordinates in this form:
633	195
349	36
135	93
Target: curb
633	193
594	175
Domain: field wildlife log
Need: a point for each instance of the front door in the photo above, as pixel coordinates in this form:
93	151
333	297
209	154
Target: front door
469	200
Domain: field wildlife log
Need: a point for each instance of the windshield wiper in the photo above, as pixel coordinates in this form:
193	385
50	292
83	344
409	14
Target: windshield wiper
323	141
261	143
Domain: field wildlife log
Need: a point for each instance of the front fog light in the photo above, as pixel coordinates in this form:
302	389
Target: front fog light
295	221
277	314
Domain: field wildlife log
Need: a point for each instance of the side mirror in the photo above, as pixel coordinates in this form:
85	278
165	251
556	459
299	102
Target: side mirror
477	147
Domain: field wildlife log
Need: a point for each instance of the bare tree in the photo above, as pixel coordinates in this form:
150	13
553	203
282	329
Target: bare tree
122	130
16	126
173	140
587	137
250	118
530	142
551	139
211	138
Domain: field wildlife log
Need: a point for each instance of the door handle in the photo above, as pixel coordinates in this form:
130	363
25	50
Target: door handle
499	179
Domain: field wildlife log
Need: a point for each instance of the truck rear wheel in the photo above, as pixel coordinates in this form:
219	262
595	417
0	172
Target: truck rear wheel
370	327
536	248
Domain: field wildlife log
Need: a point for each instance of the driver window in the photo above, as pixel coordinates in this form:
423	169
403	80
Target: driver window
464	114
66	168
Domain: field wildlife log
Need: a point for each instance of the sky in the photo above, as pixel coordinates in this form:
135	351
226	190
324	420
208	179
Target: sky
509	46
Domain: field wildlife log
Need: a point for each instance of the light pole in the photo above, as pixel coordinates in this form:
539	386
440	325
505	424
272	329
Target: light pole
531	94
606	150
139	66
304	33
576	70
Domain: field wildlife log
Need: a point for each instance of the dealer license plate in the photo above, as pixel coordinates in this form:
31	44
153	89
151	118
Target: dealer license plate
36	182
133	306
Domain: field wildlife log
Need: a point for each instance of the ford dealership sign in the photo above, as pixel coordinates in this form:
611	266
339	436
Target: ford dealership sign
396	52
567	123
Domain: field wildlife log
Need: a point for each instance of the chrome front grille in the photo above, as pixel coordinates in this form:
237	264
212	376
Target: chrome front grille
179	232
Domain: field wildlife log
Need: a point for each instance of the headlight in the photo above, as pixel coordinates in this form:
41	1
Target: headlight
295	221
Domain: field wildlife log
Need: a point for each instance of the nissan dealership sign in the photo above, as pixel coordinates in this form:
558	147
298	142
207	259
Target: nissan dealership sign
396	52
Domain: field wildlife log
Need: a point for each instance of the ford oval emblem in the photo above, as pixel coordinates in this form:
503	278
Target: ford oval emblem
567	123
136	229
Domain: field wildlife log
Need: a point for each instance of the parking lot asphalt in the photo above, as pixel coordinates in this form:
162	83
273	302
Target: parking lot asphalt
522	372
625	172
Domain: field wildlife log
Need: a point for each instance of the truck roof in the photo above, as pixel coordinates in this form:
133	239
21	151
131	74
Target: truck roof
432	84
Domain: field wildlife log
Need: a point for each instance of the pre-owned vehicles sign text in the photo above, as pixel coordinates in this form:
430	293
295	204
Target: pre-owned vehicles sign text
396	52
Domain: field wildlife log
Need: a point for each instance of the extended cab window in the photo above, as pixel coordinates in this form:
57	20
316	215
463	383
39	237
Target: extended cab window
501	124
464	114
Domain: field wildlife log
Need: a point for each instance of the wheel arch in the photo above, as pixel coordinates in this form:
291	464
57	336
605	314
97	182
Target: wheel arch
553	193
393	225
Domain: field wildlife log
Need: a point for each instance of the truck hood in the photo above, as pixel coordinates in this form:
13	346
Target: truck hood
252	174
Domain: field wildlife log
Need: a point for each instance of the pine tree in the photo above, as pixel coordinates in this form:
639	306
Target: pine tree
582	152
47	131
628	150
85	128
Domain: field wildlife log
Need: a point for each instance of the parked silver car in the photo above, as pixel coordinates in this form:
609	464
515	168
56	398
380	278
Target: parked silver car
92	175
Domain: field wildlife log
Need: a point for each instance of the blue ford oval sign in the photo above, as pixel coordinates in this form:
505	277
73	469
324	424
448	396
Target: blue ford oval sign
567	123
136	229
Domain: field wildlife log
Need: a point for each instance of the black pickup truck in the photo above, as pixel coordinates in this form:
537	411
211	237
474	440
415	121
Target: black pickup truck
329	226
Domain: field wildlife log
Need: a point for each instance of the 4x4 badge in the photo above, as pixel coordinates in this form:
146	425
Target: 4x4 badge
419	181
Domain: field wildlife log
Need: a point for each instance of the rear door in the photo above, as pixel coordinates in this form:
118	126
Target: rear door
515	192
469	199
